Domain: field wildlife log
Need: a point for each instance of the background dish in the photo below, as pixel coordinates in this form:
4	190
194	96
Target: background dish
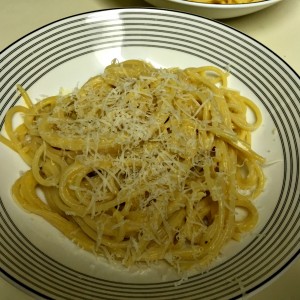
52	55
214	11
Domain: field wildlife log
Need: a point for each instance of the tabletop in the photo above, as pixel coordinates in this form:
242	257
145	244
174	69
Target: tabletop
276	27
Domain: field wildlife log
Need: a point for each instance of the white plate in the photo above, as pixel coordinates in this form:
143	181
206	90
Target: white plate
214	11
65	53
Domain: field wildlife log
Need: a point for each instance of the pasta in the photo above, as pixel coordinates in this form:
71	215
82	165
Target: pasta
142	165
226	1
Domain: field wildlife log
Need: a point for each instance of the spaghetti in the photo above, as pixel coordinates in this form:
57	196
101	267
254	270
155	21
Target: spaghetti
142	164
226	1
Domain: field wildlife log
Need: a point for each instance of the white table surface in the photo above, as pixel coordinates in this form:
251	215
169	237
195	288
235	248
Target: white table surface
277	27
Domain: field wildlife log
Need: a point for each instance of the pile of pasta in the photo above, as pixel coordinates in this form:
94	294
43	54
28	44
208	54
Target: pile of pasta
226	1
142	164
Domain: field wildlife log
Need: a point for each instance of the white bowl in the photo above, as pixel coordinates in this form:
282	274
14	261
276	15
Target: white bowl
41	261
214	11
